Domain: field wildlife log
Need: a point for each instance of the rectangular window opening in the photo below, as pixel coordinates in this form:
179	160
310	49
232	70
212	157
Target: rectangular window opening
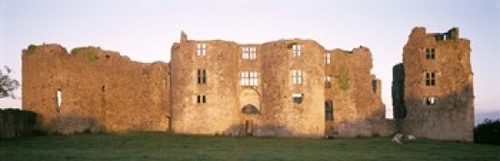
430	53
296	50
201	99
297	77
297	98
249	53
201	49
249	78
327	58
430	101
201	76
430	79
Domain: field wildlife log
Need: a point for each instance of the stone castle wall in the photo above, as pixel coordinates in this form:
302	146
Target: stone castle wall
100	90
203	93
443	109
220	65
358	109
283	116
226	96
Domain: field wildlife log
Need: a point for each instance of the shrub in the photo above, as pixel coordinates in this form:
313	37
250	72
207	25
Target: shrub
92	55
487	132
16	123
31	49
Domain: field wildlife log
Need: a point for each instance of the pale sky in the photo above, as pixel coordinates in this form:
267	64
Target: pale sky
145	30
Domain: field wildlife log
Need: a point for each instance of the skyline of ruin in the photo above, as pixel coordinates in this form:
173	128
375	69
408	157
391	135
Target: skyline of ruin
146	35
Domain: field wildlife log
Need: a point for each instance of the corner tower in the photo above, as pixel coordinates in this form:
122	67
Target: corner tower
438	91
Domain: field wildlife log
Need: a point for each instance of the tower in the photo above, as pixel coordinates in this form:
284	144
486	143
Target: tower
438	93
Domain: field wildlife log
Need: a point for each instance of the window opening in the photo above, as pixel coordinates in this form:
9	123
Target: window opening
297	77
430	101
328	81
430	79
201	99
327	58
201	49
430	53
58	99
297	98
296	50
202	76
249	78
328	111
249	53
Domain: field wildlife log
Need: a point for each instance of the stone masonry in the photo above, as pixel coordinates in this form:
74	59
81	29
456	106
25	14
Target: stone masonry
290	94
100	90
288	87
438	95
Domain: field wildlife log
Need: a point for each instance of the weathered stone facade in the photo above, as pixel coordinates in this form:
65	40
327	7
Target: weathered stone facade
438	95
355	94
277	88
290	94
100	90
291	88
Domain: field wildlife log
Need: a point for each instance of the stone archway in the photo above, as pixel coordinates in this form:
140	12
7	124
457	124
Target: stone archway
250	110
249	96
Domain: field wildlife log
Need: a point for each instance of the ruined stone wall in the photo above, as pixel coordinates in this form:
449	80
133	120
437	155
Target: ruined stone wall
201	92
358	109
449	116
285	117
101	90
226	97
249	95
218	113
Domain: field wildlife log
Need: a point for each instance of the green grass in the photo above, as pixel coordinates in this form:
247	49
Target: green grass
163	146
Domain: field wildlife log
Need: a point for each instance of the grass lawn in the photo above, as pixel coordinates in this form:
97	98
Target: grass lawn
163	146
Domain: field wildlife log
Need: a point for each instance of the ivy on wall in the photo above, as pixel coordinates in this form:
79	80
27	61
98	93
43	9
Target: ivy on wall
344	80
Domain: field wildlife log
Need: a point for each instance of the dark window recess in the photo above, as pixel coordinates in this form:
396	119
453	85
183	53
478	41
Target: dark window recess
328	111
297	98
250	109
202	76
430	79
430	101
201	99
430	53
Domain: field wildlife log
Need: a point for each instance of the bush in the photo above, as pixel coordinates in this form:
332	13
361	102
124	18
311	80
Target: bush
31	49
487	132
16	123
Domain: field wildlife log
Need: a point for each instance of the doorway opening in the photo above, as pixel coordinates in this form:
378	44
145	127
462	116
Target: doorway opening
248	127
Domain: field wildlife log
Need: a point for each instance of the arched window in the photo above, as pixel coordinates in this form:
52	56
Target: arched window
250	109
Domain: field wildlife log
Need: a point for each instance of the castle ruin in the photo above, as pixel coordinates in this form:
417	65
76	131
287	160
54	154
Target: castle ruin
432	89
290	88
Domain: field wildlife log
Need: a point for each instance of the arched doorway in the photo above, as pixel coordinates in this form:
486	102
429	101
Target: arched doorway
249	110
249	100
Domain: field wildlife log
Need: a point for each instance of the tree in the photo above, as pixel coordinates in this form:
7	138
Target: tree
7	84
487	132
